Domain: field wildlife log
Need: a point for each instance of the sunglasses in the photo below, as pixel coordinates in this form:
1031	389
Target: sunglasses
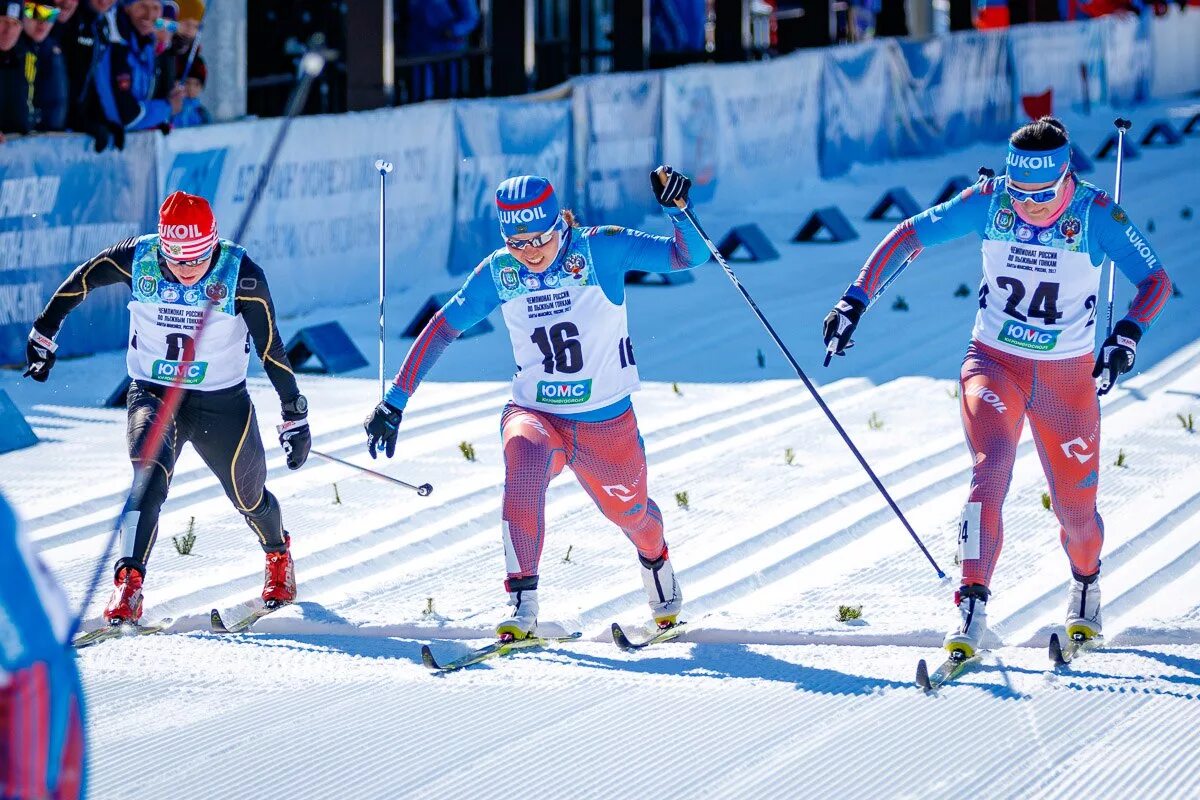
1038	195
164	24
41	13
540	240
193	263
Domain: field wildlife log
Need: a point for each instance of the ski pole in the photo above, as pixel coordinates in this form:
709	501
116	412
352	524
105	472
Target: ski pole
424	489
1123	126
310	67
384	168
712	248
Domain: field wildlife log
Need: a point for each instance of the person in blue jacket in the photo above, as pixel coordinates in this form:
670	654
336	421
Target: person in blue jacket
1045	234
132	93
41	699
561	288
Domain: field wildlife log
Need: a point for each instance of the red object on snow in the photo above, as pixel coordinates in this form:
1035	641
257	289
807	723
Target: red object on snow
1038	105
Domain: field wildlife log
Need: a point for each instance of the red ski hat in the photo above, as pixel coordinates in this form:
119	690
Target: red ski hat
187	229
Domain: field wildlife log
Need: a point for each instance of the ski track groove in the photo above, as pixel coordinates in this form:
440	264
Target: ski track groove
487	500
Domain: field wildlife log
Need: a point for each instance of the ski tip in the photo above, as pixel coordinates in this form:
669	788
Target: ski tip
619	637
428	660
1056	651
922	679
216	623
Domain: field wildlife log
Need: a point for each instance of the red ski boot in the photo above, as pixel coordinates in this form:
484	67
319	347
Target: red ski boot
279	580
125	605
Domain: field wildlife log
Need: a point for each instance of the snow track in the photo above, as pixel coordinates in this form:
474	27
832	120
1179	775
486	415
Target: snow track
766	694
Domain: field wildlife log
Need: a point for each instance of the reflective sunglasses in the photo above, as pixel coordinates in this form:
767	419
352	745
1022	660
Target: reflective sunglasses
41	13
538	241
1038	195
194	262
164	24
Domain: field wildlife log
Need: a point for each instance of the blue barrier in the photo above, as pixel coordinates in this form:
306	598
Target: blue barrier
15	432
329	345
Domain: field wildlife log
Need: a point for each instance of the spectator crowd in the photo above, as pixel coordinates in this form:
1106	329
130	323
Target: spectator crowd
100	67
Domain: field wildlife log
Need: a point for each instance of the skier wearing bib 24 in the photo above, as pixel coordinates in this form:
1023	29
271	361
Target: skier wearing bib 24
172	276
1045	234
562	291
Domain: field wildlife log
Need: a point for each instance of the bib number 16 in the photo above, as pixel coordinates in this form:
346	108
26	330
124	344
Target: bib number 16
560	348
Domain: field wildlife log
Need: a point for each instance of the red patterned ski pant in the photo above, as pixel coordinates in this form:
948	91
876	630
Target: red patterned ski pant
998	391
609	461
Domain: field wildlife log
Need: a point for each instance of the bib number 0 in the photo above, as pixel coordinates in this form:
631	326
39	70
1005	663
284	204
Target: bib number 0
560	348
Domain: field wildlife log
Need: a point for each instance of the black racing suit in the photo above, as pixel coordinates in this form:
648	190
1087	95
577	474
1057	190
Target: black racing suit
220	424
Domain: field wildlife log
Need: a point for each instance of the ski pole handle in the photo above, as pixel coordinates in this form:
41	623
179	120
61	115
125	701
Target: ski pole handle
423	490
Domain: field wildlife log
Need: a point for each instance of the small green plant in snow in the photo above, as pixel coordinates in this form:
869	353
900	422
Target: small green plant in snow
183	544
847	613
468	450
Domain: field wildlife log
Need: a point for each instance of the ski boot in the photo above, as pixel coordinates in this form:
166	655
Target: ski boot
125	605
522	622
1083	608
279	577
662	590
965	640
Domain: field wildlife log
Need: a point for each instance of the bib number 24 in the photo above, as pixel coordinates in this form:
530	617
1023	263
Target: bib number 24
1043	304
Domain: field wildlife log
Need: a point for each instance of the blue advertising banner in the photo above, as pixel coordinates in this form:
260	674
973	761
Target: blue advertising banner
737	128
316	229
498	139
1054	58
1126	57
964	80
617	122
61	204
856	77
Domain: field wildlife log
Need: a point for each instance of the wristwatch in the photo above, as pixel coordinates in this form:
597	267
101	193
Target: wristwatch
297	407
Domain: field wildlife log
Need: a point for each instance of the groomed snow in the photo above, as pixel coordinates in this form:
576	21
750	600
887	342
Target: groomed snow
767	695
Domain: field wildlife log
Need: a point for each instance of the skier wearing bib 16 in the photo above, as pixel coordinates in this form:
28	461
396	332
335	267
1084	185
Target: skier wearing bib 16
172	275
1045	234
562	291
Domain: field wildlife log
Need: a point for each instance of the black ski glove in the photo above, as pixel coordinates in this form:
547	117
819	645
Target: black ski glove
1117	355
39	355
676	187
295	437
381	425
840	324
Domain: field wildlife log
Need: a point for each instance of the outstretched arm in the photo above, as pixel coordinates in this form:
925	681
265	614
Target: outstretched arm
109	267
254	305
626	250
953	219
472	303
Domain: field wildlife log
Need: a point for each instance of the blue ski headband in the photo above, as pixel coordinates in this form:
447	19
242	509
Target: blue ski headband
526	204
1037	166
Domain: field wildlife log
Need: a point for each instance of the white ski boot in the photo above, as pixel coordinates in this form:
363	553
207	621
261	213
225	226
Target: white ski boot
967	638
1083	608
662	590
522	622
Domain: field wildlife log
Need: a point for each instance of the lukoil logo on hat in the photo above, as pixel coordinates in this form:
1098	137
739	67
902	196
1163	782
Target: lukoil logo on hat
526	204
186	227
